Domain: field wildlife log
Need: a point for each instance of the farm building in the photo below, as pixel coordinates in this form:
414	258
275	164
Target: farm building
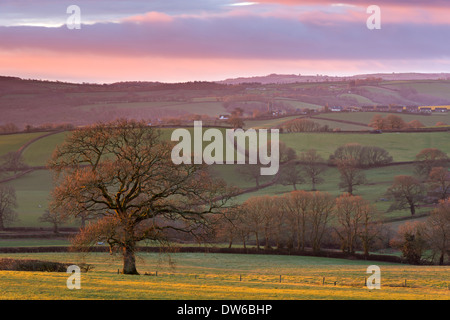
412	109
396	108
429	109
367	108
382	108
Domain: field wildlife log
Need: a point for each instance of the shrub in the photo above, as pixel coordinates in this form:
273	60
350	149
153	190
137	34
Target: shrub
38	265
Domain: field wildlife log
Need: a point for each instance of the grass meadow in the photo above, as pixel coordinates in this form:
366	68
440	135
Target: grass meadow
366	117
33	189
199	276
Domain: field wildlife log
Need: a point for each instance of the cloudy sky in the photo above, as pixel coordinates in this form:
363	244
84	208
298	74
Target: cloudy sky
180	40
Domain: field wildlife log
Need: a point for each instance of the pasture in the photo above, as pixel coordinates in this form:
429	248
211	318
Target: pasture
33	189
366	117
200	276
396	143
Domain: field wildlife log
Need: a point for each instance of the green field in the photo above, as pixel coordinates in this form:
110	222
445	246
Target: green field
379	180
33	242
273	123
40	151
435	88
366	117
226	276
357	98
12	142
33	193
396	143
33	189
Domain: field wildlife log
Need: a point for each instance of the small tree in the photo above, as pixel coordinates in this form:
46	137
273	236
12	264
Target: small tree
297	206
364	156
429	158
8	203
351	175
412	241
236	118
439	182
255	218
438	230
13	162
415	124
313	166
287	154
229	226
321	209
377	122
54	218
395	122
251	172
407	191
348	216
290	174
355	222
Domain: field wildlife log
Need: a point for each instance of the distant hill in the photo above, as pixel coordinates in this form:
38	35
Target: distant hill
292	78
29	102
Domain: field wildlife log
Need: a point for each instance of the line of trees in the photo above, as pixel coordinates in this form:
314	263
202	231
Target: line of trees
393	122
426	241
303	219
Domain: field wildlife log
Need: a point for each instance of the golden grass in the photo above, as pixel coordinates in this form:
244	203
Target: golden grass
214	276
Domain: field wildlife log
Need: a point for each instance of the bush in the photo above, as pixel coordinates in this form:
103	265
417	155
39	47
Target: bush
38	265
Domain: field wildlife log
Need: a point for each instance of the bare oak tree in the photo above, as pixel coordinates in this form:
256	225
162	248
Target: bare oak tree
351	174
313	166
297	206
355	217
53	218
439	182
438	230
429	158
407	191
321	209
122	174
8	203
290	175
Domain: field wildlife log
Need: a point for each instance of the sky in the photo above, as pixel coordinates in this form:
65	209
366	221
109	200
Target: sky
179	40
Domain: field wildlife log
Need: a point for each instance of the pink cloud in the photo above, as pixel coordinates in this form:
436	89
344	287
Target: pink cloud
153	16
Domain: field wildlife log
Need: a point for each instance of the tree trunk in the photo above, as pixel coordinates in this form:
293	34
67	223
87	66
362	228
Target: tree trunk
129	261
83	222
350	189
257	240
413	209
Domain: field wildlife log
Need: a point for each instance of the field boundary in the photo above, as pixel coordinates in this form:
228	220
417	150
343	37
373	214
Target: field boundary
281	252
